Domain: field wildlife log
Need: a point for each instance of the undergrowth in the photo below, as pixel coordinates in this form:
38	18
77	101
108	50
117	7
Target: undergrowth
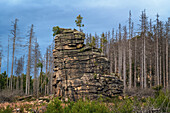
7	110
160	102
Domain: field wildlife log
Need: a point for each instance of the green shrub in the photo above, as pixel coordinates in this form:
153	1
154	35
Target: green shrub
123	106
7	110
21	109
69	106
54	106
76	107
89	107
157	88
56	30
162	101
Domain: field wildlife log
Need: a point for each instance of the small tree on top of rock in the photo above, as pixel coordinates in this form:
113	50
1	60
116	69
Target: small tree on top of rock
79	22
56	30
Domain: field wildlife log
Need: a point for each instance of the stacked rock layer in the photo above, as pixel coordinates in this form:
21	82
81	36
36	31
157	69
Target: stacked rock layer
80	70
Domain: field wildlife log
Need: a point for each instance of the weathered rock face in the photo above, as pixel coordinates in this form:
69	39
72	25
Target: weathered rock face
80	70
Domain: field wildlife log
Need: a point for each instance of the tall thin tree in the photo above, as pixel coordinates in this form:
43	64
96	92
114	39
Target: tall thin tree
29	62
167	55
130	53
124	57
14	33
120	53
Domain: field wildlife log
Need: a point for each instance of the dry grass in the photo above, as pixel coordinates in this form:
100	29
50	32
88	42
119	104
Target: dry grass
9	96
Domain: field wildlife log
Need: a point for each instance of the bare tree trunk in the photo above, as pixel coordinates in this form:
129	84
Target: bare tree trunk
0	61
17	84
124	58
164	59
22	76
157	61
115	53
21	88
111	62
120	54
111	51
153	46
167	76
108	45
142	65
150	72
46	75
8	63
51	71
130	53
29	63
142	71
35	70
13	83
160	66
157	54
38	80
51	83
144	62
13	53
135	64
144	50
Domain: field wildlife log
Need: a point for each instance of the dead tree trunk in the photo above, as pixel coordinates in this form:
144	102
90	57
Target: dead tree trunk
13	32
29	62
124	58
167	76
130	53
120	54
157	54
115	54
8	63
46	75
144	49
0	61
35	70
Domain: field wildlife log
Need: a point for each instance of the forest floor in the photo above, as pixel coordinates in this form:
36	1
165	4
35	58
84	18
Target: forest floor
133	101
25	104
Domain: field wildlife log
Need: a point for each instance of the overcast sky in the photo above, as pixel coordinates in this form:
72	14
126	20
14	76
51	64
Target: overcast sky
98	16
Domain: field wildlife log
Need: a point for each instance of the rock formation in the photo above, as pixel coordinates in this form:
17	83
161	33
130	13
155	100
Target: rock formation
80	70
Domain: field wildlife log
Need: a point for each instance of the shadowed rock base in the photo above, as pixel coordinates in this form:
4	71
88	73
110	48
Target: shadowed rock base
81	71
